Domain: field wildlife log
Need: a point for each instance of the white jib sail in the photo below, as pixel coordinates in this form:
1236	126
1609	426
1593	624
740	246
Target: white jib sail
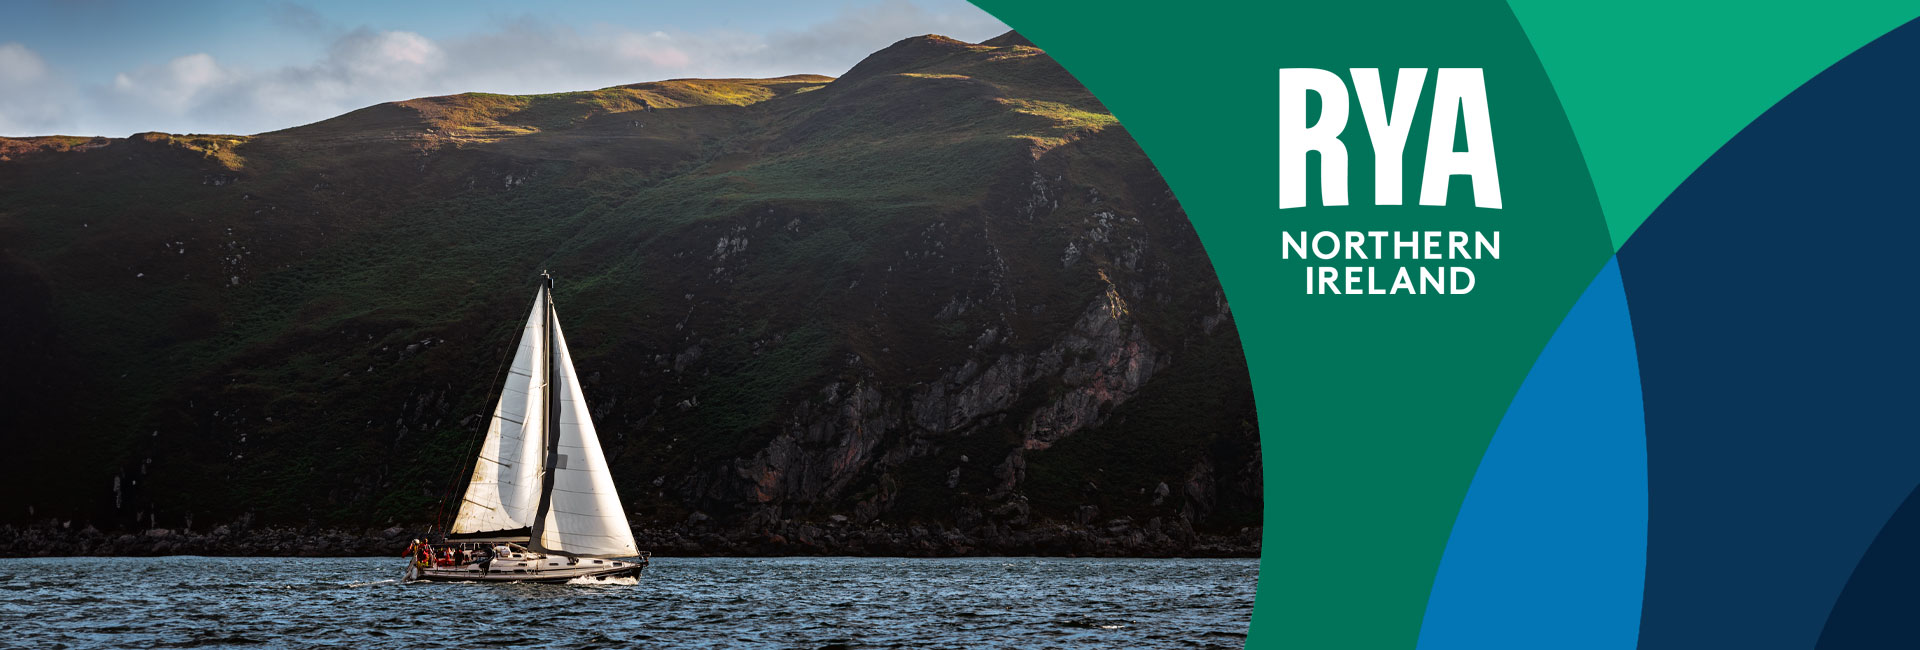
584	516
505	489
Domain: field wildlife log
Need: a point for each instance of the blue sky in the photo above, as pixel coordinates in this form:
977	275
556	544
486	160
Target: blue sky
111	67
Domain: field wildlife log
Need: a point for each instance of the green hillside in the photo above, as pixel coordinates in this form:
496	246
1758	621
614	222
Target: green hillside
943	283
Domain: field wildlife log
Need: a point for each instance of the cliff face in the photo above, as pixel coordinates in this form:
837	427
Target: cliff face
944	290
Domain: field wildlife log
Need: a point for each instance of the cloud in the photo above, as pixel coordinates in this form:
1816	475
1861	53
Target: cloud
196	93
32	100
172	87
19	65
384	59
361	67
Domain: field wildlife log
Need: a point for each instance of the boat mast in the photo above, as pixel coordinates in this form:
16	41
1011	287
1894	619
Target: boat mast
551	417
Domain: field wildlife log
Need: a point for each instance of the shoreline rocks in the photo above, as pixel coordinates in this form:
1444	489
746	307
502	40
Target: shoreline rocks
1117	538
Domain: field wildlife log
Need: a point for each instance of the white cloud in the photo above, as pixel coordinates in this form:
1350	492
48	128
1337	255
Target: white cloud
19	65
385	57
173	87
32	100
361	67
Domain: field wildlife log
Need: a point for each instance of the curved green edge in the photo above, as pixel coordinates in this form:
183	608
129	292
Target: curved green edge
1374	411
1654	87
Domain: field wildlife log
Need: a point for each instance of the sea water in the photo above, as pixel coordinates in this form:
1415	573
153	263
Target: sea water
187	602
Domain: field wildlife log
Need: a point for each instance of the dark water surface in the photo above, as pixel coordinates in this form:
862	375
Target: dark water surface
183	602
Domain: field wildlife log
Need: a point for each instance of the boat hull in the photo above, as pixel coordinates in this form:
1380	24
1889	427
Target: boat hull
537	570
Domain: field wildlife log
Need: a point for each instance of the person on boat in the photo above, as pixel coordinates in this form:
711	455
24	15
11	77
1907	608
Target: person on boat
485	559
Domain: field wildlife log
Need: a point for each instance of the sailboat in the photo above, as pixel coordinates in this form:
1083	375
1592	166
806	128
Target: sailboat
540	506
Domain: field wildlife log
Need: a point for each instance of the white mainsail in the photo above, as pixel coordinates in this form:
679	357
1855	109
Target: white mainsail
521	461
504	492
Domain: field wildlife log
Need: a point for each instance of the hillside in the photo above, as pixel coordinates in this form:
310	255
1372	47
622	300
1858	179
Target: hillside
945	289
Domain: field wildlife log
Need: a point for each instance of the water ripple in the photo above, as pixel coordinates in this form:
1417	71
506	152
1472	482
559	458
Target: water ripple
846	603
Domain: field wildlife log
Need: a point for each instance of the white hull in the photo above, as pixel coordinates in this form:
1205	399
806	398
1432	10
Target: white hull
547	569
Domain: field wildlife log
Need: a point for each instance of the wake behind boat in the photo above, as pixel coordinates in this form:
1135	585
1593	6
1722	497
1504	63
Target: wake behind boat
541	505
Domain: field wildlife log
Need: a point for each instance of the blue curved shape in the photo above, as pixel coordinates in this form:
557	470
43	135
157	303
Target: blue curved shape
1549	550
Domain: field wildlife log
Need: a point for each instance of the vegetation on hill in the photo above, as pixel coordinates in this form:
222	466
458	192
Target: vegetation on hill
943	283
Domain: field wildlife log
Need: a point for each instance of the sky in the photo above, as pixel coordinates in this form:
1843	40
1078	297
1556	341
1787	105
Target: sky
118	67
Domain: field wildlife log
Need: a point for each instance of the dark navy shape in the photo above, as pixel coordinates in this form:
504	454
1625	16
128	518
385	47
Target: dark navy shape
1880	607
1773	300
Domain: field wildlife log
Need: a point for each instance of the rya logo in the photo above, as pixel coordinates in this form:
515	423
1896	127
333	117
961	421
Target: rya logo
1459	100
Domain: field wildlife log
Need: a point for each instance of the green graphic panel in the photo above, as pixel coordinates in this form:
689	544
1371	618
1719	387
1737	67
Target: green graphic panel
1374	410
1654	87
